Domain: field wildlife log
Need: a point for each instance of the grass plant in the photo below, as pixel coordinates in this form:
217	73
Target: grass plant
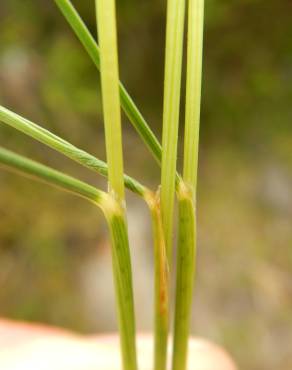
160	202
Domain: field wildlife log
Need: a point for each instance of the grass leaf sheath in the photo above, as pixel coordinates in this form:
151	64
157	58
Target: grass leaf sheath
161	284
122	271
186	256
187	188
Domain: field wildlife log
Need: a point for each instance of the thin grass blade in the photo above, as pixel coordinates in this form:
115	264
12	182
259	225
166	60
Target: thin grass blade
62	146
46	174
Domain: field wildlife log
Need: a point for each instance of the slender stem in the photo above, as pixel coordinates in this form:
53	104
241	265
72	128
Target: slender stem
161	284
128	105
55	142
123	282
41	172
187	187
193	91
185	276
107	33
172	85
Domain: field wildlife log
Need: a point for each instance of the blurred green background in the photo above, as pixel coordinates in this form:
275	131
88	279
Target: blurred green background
54	252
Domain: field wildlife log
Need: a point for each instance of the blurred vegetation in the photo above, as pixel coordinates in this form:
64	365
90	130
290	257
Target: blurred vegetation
244	288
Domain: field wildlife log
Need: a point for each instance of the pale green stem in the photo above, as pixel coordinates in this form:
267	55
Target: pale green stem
172	86
123	284
161	284
193	91
55	142
107	34
186	257
187	187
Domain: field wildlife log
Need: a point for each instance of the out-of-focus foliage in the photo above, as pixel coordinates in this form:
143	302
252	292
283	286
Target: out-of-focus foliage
49	240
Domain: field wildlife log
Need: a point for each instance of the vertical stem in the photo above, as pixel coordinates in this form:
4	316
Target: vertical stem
107	32
161	284
187	188
172	85
123	281
193	91
185	276
106	22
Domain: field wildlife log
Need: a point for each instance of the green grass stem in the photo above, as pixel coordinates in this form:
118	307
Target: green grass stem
186	257
171	104
161	285
123	284
107	34
109	70
187	187
193	91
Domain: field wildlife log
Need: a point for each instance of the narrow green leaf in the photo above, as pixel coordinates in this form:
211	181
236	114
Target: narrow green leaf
185	276
55	142
127	103
172	85
46	174
193	91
